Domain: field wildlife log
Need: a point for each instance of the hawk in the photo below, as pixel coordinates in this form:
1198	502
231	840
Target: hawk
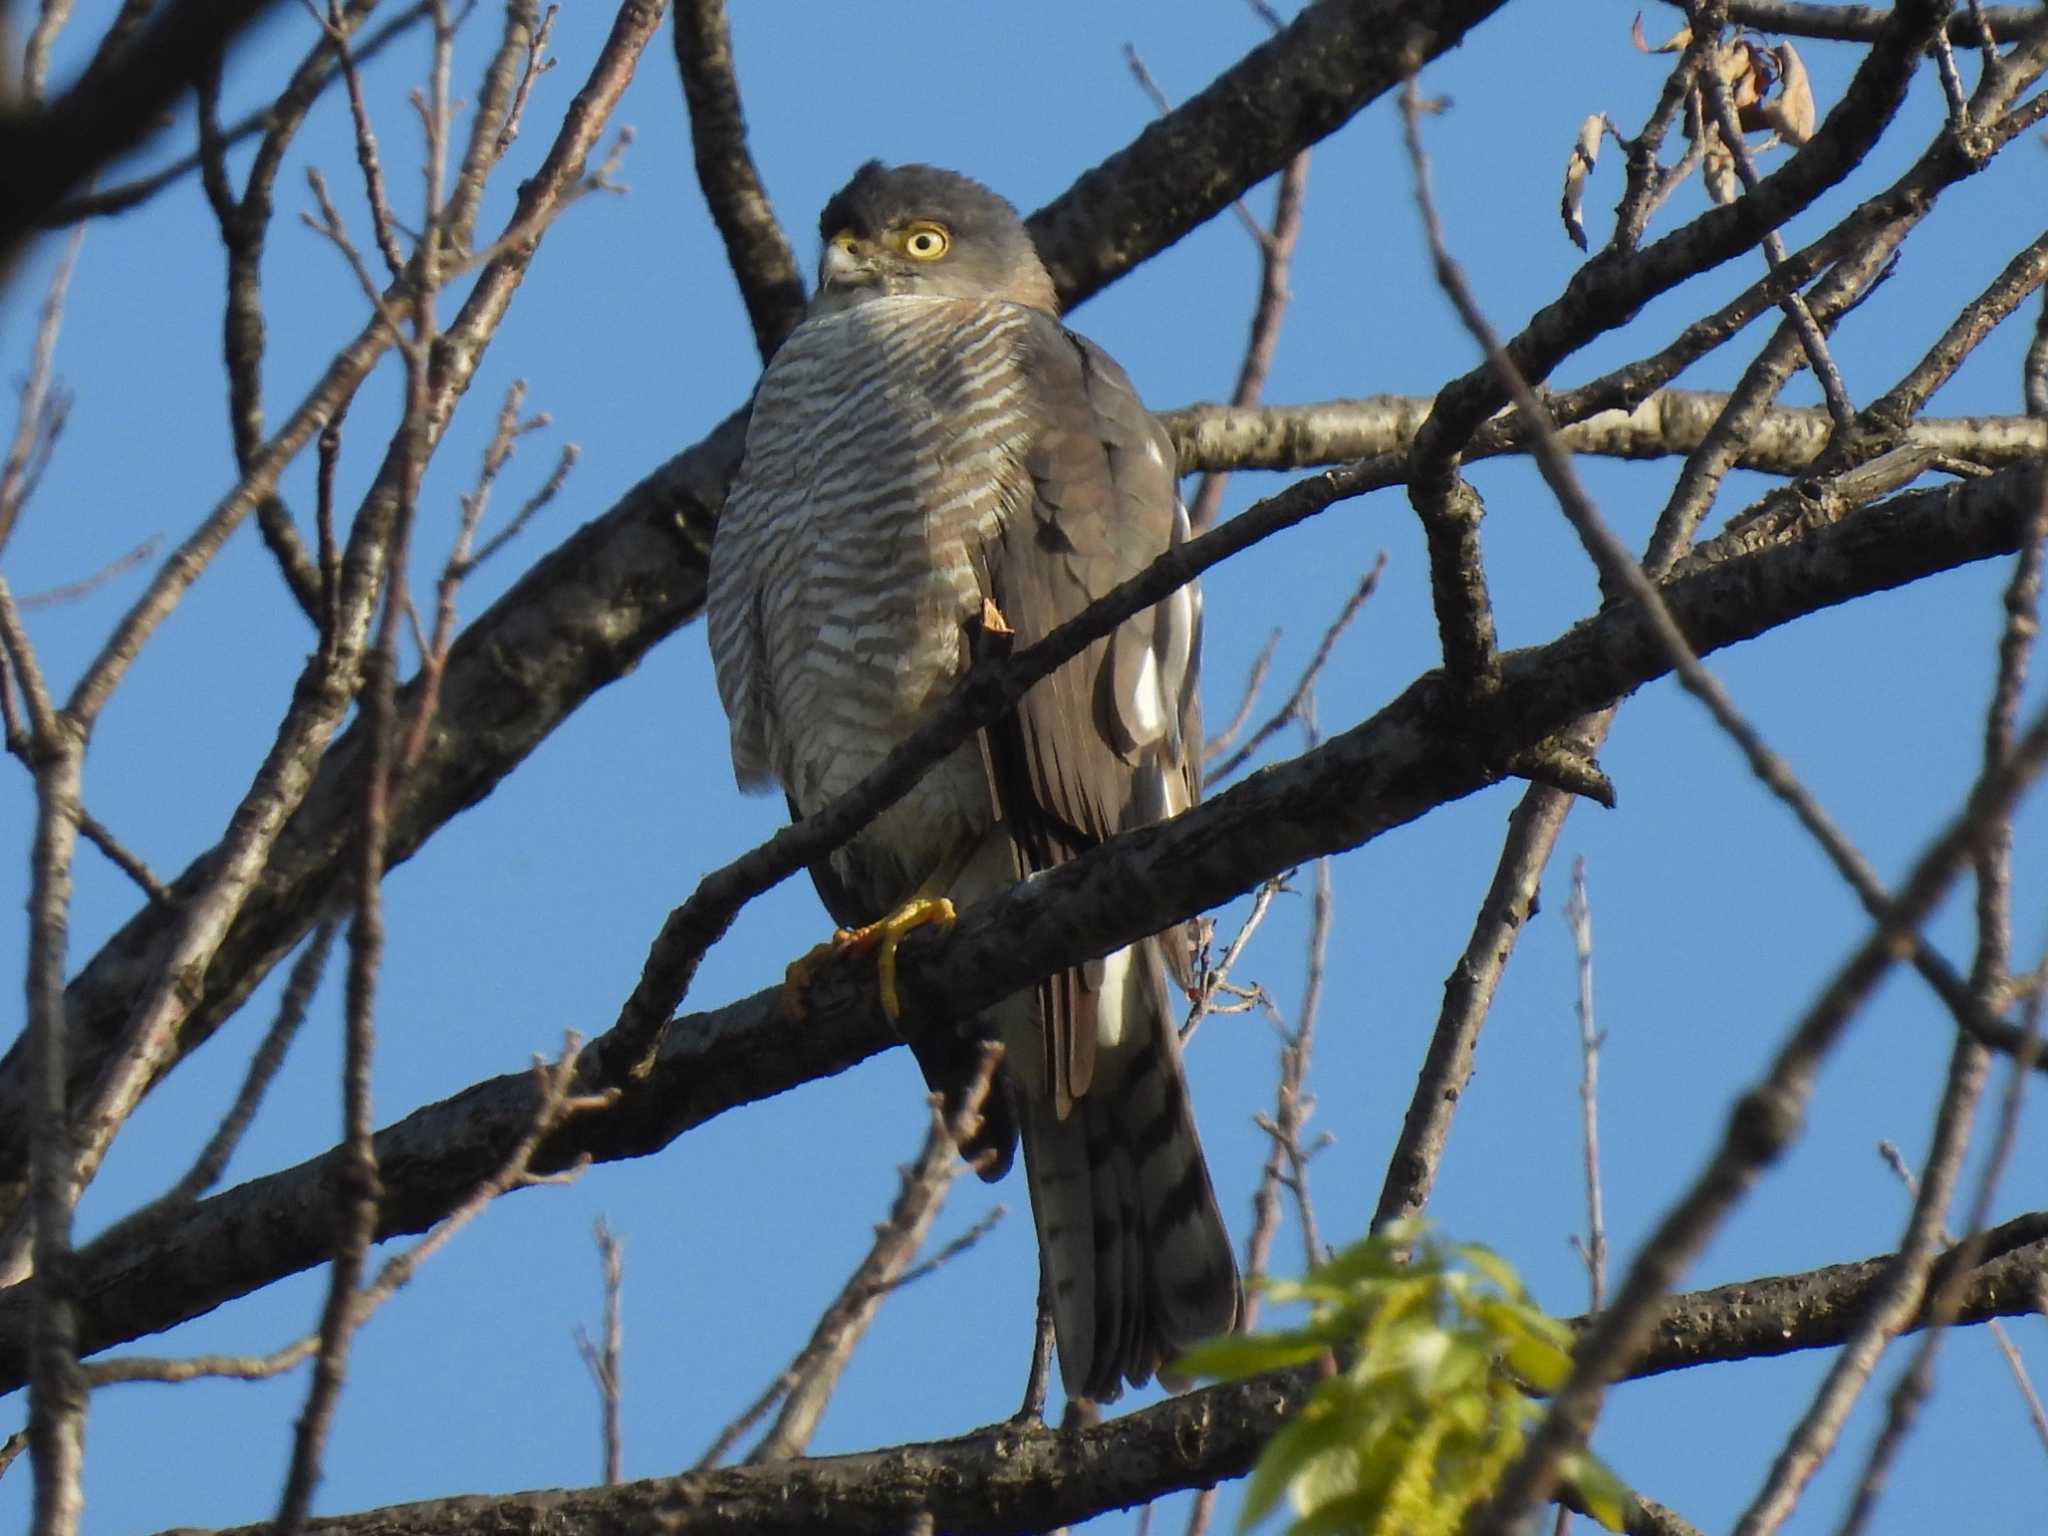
935	465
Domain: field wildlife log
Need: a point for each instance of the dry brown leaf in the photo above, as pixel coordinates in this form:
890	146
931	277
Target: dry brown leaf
1790	111
1746	70
1674	44
1584	152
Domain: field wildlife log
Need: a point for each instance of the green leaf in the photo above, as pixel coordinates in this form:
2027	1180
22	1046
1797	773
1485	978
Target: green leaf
1339	1517
1235	1356
1453	1368
1529	1343
1290	1453
1494	1267
1599	1492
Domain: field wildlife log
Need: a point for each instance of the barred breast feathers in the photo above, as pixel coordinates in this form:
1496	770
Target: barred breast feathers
885	448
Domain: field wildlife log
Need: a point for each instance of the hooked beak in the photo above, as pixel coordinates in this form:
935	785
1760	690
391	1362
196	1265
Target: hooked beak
847	263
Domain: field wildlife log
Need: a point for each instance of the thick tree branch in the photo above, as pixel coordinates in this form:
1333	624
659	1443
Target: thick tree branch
1377	776
1861	23
762	262
1190	164
46	154
1000	1481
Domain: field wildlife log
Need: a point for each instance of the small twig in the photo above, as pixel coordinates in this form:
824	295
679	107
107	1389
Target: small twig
1891	1308
1298	699
35	56
381	222
1276	258
537	64
1990	982
121	857
1163	105
555	1104
12	1447
808	1381
71	591
1578	914
2037	1412
329	224
1951	83
1296	1102
323	517
244	226
171	1370
434	651
1913	1387
550	488
950	1251
43	407
1214	979
604	1360
304	981
1255	679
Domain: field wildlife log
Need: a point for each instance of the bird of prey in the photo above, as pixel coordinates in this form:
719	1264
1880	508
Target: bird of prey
934	465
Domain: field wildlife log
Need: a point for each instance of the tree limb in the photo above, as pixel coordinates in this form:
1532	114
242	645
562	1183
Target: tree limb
1000	1481
1378	775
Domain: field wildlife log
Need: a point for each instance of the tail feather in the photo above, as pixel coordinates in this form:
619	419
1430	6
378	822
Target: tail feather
1139	1261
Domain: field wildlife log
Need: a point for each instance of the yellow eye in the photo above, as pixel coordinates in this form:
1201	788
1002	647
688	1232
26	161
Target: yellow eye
926	242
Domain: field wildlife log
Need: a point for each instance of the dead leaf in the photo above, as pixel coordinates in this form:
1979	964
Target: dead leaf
1676	43
1584	152
1746	70
1790	111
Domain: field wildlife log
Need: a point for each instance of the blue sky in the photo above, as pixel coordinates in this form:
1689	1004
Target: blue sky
1716	921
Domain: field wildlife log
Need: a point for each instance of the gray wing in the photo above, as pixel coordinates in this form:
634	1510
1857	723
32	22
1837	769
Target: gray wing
1112	740
1137	1259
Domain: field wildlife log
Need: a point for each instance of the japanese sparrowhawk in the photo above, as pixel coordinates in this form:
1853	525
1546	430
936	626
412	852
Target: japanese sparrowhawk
934	460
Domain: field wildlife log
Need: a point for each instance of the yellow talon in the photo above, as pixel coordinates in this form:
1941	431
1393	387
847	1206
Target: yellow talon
883	937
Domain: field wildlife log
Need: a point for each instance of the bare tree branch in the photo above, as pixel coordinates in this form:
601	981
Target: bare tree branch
1006	1480
762	262
606	1360
46	153
1362	783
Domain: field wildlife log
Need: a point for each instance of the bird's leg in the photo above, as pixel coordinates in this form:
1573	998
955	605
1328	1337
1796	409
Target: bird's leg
882	938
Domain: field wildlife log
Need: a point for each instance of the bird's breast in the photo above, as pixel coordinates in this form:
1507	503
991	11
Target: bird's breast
887	450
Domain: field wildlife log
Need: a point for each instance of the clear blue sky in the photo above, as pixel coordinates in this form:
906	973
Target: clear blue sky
1715	920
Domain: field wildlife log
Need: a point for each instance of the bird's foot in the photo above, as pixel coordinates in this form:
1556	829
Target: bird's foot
881	938
884	937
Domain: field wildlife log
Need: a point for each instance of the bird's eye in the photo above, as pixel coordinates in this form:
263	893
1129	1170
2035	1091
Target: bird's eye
926	242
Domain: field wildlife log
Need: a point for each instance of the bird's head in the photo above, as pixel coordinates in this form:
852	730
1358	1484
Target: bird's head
915	229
